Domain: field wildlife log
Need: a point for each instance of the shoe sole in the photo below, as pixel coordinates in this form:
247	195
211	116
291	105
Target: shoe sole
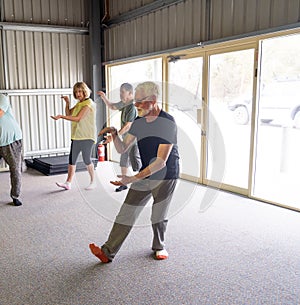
99	253
63	187
120	190
161	257
89	188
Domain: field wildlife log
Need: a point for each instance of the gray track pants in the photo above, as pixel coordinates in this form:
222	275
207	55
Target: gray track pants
137	197
131	157
12	154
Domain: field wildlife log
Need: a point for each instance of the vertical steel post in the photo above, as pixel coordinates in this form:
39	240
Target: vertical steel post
96	60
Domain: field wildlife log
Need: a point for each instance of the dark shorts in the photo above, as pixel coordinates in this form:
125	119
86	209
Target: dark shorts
83	146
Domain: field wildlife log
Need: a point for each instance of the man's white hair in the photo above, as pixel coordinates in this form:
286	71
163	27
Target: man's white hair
149	88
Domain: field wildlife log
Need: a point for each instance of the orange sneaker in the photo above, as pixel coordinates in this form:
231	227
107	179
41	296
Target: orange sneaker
97	251
161	254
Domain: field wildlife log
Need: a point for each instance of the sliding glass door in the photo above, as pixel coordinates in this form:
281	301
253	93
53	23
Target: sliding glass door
238	114
185	103
229	112
133	73
277	166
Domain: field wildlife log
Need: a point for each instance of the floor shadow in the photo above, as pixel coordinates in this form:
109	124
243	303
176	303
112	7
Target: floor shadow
55	191
4	204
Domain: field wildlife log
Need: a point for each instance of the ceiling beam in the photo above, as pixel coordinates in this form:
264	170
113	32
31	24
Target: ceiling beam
141	11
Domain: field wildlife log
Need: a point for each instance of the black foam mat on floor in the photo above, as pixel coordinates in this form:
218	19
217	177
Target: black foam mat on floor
55	165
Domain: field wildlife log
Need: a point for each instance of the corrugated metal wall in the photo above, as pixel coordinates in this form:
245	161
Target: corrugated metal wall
1	63
41	63
233	17
37	61
176	25
51	12
41	134
118	7
44	60
192	21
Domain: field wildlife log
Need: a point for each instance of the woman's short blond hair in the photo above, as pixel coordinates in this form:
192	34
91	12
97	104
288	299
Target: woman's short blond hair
84	87
149	88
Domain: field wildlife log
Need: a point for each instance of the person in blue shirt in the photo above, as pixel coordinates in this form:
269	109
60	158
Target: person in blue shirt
11	147
156	134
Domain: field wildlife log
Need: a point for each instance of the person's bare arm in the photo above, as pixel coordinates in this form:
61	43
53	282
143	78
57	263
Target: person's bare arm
68	110
1	113
83	112
125	128
106	101
121	146
159	163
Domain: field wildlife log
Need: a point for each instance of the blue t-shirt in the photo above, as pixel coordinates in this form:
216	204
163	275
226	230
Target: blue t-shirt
163	130
10	130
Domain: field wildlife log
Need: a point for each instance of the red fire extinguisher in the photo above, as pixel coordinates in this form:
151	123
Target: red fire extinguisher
101	152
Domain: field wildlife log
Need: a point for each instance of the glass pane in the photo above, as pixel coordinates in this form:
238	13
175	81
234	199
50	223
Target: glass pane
185	98
229	117
133	73
278	147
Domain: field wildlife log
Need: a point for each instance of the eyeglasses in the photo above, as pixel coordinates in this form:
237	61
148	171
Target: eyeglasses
144	99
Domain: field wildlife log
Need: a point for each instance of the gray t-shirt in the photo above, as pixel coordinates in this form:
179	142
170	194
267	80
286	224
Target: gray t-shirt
149	135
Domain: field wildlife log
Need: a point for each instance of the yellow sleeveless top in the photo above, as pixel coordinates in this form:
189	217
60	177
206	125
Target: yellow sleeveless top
86	128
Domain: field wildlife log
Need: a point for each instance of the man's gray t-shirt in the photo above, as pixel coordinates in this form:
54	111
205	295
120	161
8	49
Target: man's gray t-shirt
149	135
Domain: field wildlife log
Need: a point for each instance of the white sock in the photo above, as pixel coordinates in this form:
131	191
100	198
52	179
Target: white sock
91	186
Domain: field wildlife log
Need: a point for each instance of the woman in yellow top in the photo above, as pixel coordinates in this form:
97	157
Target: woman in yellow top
83	132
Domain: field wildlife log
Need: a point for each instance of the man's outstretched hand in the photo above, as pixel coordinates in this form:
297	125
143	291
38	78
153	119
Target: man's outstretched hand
124	180
111	130
117	183
108	138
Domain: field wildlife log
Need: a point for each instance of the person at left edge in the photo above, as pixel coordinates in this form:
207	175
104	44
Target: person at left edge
11	147
83	132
